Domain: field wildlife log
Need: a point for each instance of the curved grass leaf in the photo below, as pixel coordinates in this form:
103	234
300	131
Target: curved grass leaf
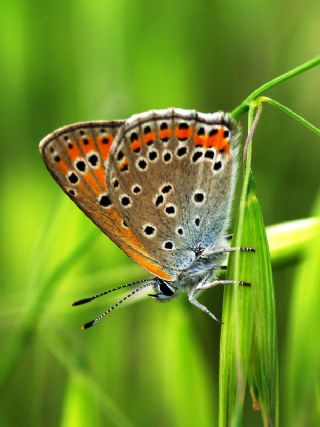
25	329
184	370
263	368
79	408
289	240
84	397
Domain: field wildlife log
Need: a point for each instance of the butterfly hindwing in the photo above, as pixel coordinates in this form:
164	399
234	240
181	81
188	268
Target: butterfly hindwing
170	175
77	157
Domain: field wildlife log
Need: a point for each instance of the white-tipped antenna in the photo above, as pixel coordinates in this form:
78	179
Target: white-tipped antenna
97	319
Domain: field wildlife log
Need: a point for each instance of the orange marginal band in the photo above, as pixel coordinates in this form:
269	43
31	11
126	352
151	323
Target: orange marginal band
129	237
149	265
135	246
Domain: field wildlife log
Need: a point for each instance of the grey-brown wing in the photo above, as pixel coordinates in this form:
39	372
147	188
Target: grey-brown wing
171	176
77	157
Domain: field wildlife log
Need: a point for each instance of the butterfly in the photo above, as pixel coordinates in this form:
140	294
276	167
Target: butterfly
160	185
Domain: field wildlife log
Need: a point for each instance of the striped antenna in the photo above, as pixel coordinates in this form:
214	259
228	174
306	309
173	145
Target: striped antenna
86	300
101	316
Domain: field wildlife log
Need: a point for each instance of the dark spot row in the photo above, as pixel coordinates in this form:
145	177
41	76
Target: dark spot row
208	154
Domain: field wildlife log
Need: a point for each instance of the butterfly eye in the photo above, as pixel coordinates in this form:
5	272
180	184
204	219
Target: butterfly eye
166	289
163	290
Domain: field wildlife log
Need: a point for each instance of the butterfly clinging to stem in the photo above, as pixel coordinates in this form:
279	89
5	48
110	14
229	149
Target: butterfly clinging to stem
160	185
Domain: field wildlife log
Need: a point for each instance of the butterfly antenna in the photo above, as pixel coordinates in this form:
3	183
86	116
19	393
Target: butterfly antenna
86	300
101	316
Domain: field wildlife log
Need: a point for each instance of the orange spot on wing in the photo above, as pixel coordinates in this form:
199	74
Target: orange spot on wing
123	165
136	144
104	143
219	142
73	151
149	137
183	133
200	140
216	140
165	133
225	147
87	144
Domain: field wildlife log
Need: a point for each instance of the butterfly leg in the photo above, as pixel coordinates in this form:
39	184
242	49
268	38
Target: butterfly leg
203	285
192	298
215	251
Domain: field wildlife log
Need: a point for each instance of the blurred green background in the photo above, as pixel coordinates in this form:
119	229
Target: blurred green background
69	61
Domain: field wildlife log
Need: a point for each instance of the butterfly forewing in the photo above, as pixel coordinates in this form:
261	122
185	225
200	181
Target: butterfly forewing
77	156
174	173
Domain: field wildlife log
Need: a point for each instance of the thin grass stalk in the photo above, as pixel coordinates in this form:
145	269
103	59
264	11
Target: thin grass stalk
245	105
82	382
291	113
28	323
302	361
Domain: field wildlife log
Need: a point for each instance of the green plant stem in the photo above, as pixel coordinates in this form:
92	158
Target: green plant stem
244	106
290	112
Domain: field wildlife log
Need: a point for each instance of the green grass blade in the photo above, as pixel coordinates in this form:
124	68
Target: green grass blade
84	396
79	408
263	368
248	338
23	332
303	345
237	314
244	106
236	332
183	361
290	112
288	240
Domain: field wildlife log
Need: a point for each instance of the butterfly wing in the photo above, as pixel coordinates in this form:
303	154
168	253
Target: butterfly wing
76	156
174	171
